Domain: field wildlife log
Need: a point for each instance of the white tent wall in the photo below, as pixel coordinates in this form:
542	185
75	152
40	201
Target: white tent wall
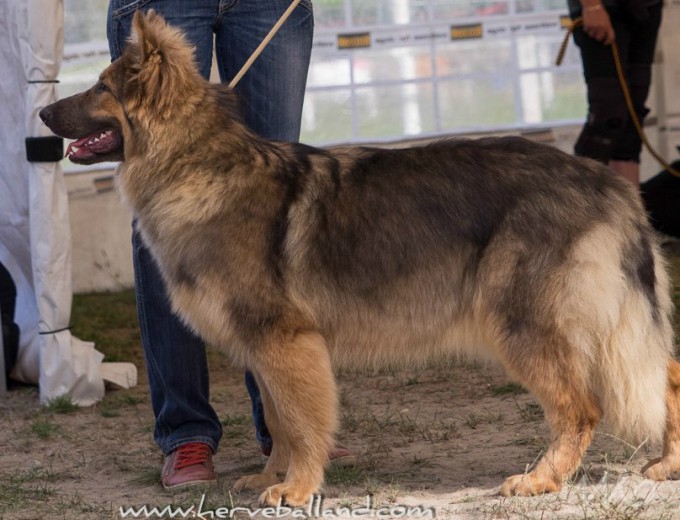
15	247
35	241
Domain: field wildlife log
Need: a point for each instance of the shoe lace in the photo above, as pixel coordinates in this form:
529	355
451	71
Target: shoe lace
192	454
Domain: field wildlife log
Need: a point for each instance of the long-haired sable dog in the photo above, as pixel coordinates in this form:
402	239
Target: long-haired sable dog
293	258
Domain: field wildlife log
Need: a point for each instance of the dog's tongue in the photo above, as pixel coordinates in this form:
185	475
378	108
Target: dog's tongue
98	143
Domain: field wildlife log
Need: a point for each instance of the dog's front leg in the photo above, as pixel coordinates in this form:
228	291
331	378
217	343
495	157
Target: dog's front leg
300	396
279	458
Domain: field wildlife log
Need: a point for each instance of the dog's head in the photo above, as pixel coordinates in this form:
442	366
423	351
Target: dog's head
153	82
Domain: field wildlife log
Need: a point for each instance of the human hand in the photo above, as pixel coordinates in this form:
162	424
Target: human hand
596	23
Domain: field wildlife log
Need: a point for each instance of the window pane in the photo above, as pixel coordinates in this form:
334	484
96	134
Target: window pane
329	14
550	96
403	63
394	111
451	9
327	117
84	20
541	5
86	52
540	51
325	71
389	12
476	103
477	56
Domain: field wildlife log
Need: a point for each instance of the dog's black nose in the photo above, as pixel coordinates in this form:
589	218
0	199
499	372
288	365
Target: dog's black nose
45	114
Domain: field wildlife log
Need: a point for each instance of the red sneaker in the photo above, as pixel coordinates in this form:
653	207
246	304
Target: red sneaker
189	465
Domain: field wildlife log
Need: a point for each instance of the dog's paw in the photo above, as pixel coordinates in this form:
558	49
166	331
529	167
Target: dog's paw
662	469
258	481
285	494
528	485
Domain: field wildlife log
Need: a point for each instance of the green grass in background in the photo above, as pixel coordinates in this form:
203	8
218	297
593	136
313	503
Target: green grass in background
109	319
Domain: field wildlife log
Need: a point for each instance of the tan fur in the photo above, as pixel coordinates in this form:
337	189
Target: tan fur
293	259
668	466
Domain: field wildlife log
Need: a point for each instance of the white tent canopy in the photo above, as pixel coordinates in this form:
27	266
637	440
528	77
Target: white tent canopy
35	242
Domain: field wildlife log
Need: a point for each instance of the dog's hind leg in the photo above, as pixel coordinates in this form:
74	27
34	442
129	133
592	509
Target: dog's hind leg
571	410
668	466
297	376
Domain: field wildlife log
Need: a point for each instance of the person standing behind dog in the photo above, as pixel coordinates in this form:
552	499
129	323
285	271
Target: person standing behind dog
608	134
187	428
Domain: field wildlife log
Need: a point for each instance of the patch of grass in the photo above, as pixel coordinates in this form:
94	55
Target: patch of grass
533	442
508	389
112	403
236	420
410	428
365	421
344	476
61	404
473	420
346	502
131	399
110	320
530	411
19	489
236	426
66	506
43	428
372	486
109	412
148	476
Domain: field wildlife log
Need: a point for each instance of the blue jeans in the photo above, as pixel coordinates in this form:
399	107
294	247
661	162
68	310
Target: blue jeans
271	95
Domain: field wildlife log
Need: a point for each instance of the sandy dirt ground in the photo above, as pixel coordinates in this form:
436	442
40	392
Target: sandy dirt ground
433	443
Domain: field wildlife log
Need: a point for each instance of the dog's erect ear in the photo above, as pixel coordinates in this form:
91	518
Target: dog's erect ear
146	27
163	61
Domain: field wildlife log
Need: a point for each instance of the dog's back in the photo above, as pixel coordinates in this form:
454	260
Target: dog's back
498	248
449	246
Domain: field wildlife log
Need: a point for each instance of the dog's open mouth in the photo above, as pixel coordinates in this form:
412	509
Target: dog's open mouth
103	142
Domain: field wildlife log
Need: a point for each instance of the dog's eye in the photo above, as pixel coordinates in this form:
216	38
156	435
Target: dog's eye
101	88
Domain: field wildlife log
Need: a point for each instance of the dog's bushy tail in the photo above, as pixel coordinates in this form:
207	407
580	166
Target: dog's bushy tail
629	308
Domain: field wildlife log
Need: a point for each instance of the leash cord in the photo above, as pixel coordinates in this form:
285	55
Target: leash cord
626	93
264	43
